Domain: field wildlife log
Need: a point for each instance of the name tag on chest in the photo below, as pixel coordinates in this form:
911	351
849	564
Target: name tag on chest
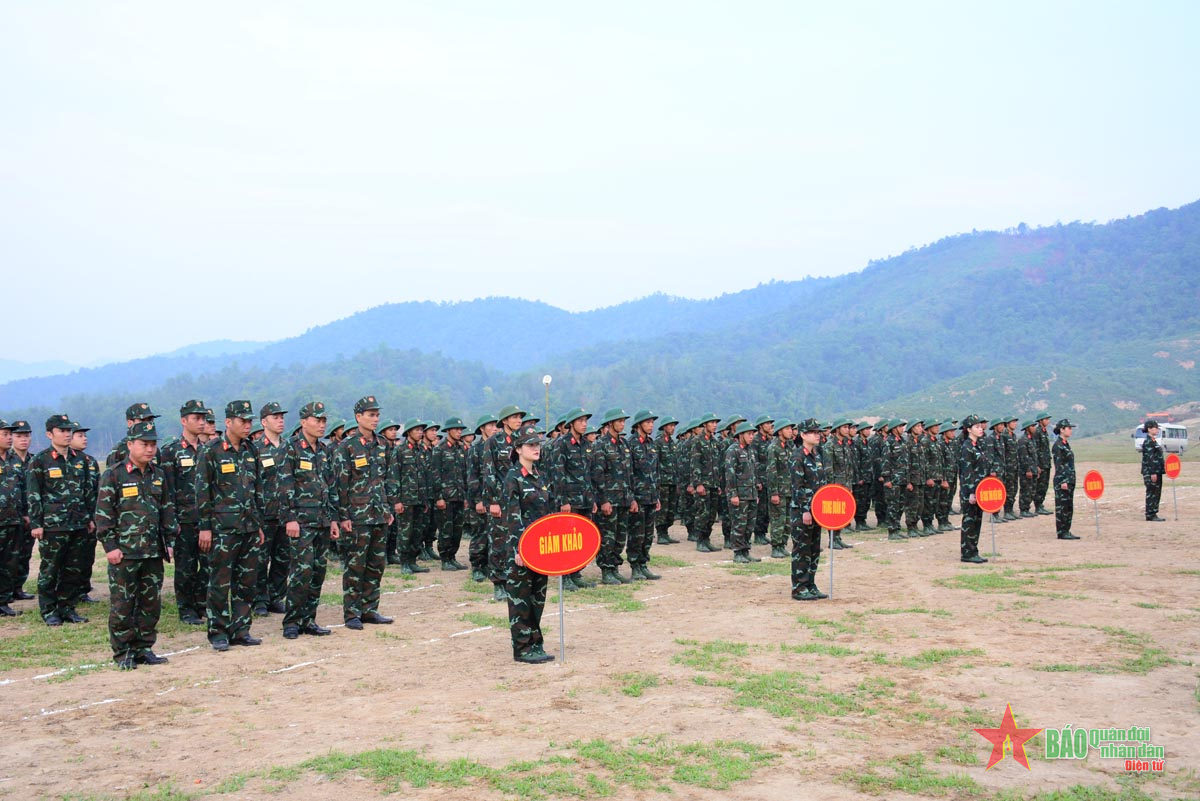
54	472
360	461
304	465
129	492
268	461
187	462
228	467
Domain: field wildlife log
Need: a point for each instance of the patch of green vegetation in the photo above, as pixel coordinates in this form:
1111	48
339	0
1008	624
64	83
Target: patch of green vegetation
1069	568
1148	606
912	610
986	581
483	619
612	597
477	587
1079	792
642	764
958	754
232	784
711	656
824	649
825	629
1138	657
634	684
788	694
936	656
394	769
661	560
908	774
164	792
780	567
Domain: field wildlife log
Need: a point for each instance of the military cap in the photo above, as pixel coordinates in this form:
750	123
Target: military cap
312	409
271	408
192	407
1150	424
898	422
561	420
296	430
509	411
762	419
838	422
527	419
642	415
209	415
143	429
453	422
826	427
5	425
139	411
615	413
706	418
999	421
809	424
746	427
1028	424
59	421
431	424
239	409
733	419
411	423
529	436
575	414
1063	423
933	423
783	423
483	420
21	427
972	419
1042	416
366	404
666	421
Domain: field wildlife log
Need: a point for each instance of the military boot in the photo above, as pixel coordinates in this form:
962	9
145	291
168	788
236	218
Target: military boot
1042	510
691	536
663	539
1028	513
498	593
760	539
647	574
838	543
581	582
427	554
913	534
777	552
478	575
896	535
1008	515
569	584
704	546
393	558
745	558
451	565
609	575
816	594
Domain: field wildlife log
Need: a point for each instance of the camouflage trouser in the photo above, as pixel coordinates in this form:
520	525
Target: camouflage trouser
408	542
806	553
723	515
478	551
896	502
641	534
526	600
742	519
1153	495
862	502
762	514
135	592
1064	508
668	495
233	569
687	511
879	494
57	580
191	570
972	521
366	560
23	559
930	498
393	537
614	530
449	529
1010	489
271	582
306	574
780	520
83	558
1043	486
705	507
9	548
1028	487
426	526
497	536
913	505
948	500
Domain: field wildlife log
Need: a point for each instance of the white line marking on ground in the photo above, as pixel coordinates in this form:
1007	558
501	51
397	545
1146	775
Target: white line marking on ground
468	631
45	713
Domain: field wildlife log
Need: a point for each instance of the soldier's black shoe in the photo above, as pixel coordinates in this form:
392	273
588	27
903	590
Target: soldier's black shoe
816	593
354	624
428	555
277	607
291	632
417	568
569	584
394	559
996	518
127	662
896	536
86	599
220	644
745	558
1042	510
839	543
451	565
53	620
608	576
1156	519
478	575
8	611
1066	535
71	616
260	610
804	595
150	658
663	539
376	619
703	546
975	560
581	582
778	553
913	534
1028	513
314	630
642	573
21	595
534	657
189	617
691	537
761	540
245	639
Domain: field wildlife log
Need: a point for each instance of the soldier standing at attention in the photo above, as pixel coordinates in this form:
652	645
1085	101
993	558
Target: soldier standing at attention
22	436
765	426
524	497
388	433
271	585
12	517
839	461
1027	467
306	473
949	454
135	413
644	481
896	470
614	494
1011	466
993	449
364	509
667	449
808	476
574	481
57	490
879	492
1064	479
135	523
741	483
705	480
450	492
1153	466
210	427
683	474
229	494
973	467
477	516
84	552
778	480
864	475
935	479
496	462
726	441
407	475
1042	437
178	460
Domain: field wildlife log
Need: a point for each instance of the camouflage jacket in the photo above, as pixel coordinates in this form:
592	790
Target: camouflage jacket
614	471
525	496
1064	464
723	446
495	463
645	475
759	445
12	490
1154	459
864	465
274	497
118	454
475	471
839	461
428	474
1043	446
741	472
993	452
932	454
704	463
949	454
1011	459
228	488
360	475
668	460
449	469
178	461
895	461
918	467
574	473
972	468
808	476
134	512
877	449
1027	461
777	477
306	481
406	474
59	491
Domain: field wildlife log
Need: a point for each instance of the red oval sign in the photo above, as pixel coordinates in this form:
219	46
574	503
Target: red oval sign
1093	485
990	495
558	544
833	507
1173	465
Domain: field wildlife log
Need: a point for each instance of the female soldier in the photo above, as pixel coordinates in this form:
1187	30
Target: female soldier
973	467
1064	480
525	498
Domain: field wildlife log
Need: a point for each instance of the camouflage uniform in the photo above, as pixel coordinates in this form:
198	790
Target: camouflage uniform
178	460
683	476
450	471
877	452
1043	460
306	476
1154	465
1027	468
808	475
931	493
1064	473
476	522
272	554
993	451
918	470
524	497
135	515
229	496
360	472
83	549
667	449
408	487
23	555
573	468
896	470
644	483
950	448
838	454
741	481
426	527
762	521
496	462
58	490
704	468
864	481
973	467
777	479
12	513
614	467
1011	472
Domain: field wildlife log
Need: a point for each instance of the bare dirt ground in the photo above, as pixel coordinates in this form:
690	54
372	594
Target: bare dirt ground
875	691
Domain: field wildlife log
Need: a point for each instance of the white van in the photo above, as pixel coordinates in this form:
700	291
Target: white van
1173	437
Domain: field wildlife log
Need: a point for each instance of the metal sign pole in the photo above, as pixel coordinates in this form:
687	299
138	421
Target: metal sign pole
562	638
993	524
1096	504
830	564
1174	499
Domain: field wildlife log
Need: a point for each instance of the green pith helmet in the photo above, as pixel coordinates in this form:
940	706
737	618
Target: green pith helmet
899	422
1027	424
689	426
410	424
745	427
763	419
384	425
864	425
334	426
483	420
783	423
559	421
733	419
453	422
615	413
838	422
707	418
642	415
431	424
575	414
509	411
1042	416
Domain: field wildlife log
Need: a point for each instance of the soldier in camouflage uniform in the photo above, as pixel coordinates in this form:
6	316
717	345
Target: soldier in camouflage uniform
973	468
135	413
450	492
683	475
741	483
1154	465
1027	467
765	435
993	451
840	467
877	445
361	471
667	449
389	433
896	470
178	460
229	494
496	463
573	468
306	476
22	435
1064	479
408	486
12	517
916	481
1042	438
135	523
777	478
271	585
83	555
426	522
644	482
808	476
614	494
524	497
1011	466
726	440
704	480
948	449
58	491
477	515
864	475
935	479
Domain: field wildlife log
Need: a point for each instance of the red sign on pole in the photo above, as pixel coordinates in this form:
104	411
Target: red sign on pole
1173	465
558	544
833	507
1093	485
990	494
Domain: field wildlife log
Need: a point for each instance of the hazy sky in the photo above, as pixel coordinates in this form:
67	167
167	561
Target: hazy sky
190	172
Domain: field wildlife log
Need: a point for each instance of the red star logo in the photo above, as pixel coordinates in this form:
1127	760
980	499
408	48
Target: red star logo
1010	734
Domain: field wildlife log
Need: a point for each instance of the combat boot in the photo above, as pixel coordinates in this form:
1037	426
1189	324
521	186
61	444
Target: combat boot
609	575
394	559
8	611
896	535
663	539
649	575
581	582
534	656
976	559
417	567
635	573
760	539
913	534
996	518
704	546
1008	515
498	593
691	536
1028	513
838	543
777	552
127	662
804	595
1042	510
478	575
745	558
427	554
451	565
817	594
569	584
1066	535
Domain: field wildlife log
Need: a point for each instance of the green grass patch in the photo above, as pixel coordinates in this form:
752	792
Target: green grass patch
825	649
908	774
958	754
612	597
911	610
1138	655
777	567
715	656
661	560
634	684
484	619
987	581
1148	606
788	694
477	587
936	656
827	629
